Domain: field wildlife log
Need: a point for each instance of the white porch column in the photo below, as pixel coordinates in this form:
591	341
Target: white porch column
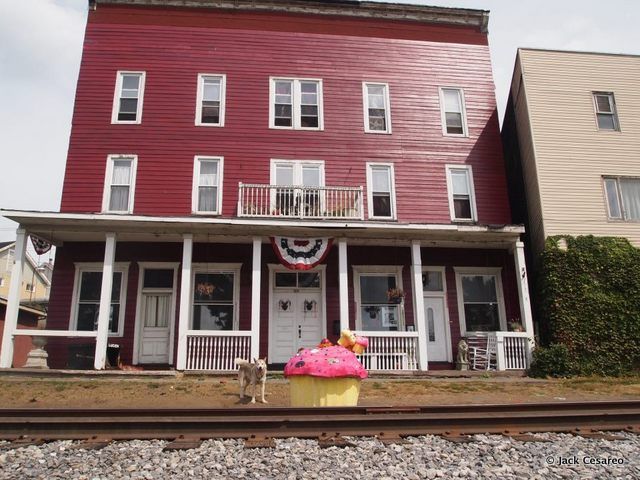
102	334
255	297
343	277
418	305
523	289
185	298
13	301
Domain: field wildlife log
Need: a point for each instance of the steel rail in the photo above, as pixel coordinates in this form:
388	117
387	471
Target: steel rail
279	422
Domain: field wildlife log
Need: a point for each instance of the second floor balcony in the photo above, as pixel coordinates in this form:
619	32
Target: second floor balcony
302	202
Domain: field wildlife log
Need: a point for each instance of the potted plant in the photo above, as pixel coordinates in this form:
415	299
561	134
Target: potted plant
395	295
515	325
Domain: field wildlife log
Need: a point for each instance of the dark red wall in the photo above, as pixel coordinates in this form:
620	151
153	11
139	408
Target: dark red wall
174	46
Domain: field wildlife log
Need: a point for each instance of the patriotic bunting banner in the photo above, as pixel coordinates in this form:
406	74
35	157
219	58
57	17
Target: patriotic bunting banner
301	253
40	245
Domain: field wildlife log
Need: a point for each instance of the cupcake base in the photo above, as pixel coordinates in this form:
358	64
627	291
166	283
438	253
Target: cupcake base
308	391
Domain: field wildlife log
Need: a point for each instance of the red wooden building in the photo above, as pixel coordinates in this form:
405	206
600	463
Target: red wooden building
215	143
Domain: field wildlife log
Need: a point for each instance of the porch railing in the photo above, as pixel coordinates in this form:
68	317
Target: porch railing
513	350
281	201
217	350
390	351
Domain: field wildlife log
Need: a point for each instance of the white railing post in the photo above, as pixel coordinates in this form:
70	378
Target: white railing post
104	311
240	198
13	301
523	288
343	277
500	356
185	301
418	305
255	297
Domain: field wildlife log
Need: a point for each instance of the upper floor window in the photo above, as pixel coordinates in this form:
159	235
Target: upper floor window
210	101
454	117
623	198
287	200
119	184
207	185
606	114
127	101
380	190
462	202
377	113
295	103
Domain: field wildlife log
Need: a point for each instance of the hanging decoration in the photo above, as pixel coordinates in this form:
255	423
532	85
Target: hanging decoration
40	245
301	253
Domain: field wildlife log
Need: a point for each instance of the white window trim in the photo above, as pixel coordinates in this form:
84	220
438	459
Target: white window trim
295	98
623	210
466	271
364	270
472	193
443	118
276	161
81	267
106	194
196	180
392	185
387	107
118	91
613	114
217	268
200	94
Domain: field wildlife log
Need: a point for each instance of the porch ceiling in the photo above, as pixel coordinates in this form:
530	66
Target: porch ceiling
64	227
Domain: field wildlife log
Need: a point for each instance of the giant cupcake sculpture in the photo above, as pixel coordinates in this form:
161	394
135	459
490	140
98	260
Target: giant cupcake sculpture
328	375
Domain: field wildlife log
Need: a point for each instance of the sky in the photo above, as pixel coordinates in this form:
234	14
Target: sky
41	44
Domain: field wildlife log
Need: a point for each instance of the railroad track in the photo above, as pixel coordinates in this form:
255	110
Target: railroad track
259	426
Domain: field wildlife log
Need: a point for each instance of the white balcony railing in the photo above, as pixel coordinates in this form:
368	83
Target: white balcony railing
513	350
343	203
217	350
390	351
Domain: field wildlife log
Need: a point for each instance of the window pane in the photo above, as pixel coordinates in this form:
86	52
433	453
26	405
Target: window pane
375	90
308	87
207	199
309	280
90	286
156	310
603	103
377	123
432	281
381	205
630	189
380	317
459	182
611	187
283	88
213	287
462	208
208	173
130	82
481	317
454	123
119	201
309	99
286	280
606	121
380	179
284	99
213	317
88	316
121	172
309	111
284	175
158	278
452	101
311	176
479	288
309	122
128	109
210	112
376	101
431	328
373	288
211	89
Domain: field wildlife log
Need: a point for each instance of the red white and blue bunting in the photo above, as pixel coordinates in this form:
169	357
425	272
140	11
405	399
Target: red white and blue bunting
301	253
40	245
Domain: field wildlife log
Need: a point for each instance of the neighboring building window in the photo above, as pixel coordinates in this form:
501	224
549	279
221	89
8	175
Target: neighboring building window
454	118
605	111
207	185
127	102
286	200
381	190
30	288
462	203
296	103
86	305
480	299
215	298
119	184
377	312
623	198
1	282
210	100
377	117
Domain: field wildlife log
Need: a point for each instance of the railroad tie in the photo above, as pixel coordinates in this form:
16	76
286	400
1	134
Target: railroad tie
596	434
523	437
259	441
183	443
391	438
24	442
326	440
457	437
93	443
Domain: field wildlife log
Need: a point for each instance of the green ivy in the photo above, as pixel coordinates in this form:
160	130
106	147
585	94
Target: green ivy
590	303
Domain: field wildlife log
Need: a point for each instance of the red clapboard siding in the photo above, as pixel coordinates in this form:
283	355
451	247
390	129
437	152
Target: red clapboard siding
172	47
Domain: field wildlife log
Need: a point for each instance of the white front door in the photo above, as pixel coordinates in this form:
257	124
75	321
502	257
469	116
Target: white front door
297	318
437	348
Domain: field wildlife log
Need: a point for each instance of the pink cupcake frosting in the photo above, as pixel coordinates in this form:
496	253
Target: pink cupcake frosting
329	362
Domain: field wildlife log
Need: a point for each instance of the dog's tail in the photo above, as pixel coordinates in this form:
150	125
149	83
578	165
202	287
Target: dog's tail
241	361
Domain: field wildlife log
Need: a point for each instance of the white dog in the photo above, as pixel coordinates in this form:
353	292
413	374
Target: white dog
250	374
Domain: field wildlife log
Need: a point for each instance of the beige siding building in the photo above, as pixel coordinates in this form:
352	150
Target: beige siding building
572	142
35	282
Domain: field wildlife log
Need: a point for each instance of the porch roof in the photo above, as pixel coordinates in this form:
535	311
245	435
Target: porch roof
61	227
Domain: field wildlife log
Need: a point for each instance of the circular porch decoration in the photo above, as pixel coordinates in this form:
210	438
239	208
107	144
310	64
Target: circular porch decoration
301	253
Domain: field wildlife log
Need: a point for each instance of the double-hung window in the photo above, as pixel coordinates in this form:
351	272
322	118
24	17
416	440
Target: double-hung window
377	113
606	114
119	184
210	100
623	198
376	310
298	187
127	101
381	191
215	297
452	109
86	297
207	185
480	299
295	104
462	203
